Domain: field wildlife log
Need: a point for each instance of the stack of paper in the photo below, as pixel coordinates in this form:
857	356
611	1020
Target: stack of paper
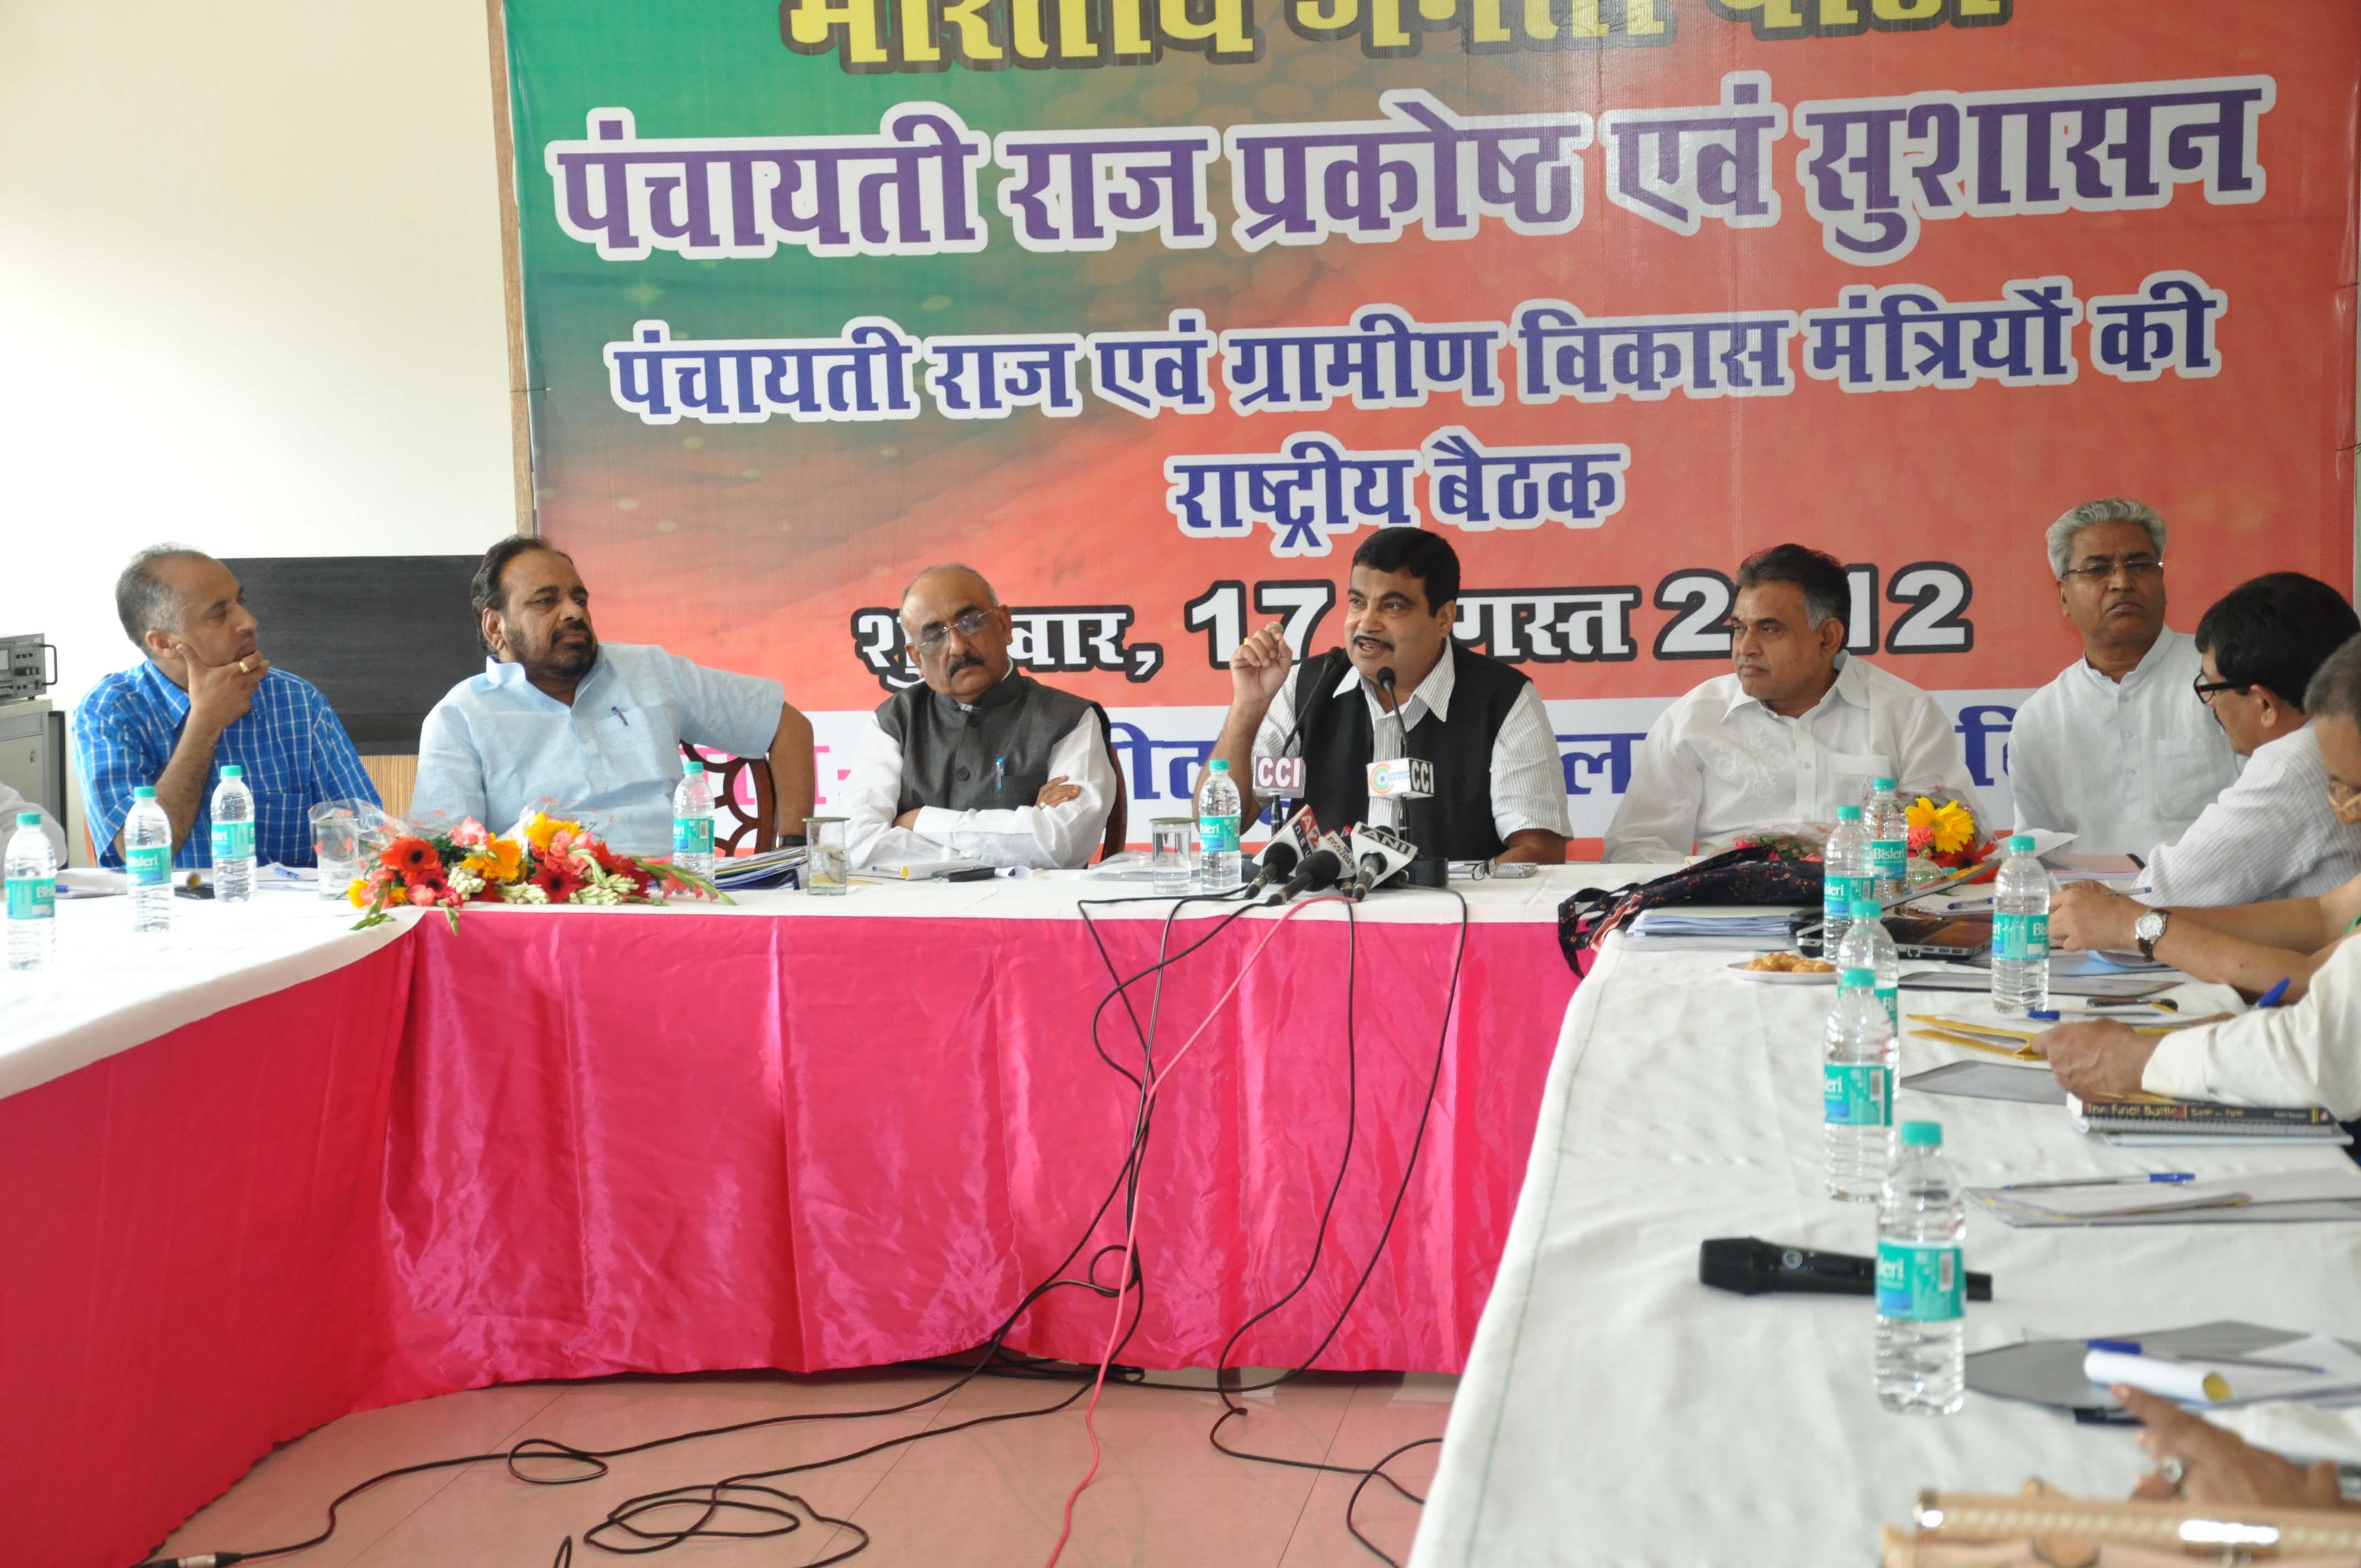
1677	929
772	868
2276	1197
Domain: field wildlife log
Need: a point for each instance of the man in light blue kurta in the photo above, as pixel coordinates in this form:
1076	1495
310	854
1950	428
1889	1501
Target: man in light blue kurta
593	729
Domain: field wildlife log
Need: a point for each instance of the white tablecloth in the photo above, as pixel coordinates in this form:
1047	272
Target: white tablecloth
1617	1412
110	988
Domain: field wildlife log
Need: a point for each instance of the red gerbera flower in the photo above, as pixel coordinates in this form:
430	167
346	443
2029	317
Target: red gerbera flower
410	856
559	877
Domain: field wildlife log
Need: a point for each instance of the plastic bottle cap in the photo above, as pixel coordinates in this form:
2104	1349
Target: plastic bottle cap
28	820
1854	978
692	766
1922	1135
143	791
1847	813
1865	909
1882	784
2020	843
1221	764
231	771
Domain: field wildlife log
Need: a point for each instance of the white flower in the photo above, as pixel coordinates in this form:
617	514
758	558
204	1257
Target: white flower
523	892
465	883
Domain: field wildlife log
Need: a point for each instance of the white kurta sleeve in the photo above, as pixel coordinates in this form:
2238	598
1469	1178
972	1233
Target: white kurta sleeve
1657	822
873	789
2308	1054
1045	838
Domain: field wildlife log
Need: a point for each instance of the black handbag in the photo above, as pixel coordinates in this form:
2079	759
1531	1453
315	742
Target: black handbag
1753	875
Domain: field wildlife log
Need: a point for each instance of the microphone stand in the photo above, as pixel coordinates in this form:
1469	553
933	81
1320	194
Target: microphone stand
1426	870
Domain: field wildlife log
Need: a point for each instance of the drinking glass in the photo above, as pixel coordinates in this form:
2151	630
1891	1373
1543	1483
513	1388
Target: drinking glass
1173	855
825	860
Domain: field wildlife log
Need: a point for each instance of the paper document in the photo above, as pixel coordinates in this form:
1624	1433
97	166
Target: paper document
916	871
1990	1081
2274	1198
2195	1381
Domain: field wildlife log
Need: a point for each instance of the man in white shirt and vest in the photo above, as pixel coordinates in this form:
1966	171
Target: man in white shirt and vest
2111	751
1500	789
1797	730
2271	834
2306	1052
978	760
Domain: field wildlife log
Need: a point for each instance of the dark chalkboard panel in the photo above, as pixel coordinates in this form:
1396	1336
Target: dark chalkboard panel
383	637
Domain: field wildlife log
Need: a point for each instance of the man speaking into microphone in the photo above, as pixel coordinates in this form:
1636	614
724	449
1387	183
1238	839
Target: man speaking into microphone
1399	688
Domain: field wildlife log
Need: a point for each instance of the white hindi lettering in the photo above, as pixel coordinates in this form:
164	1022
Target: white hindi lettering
1477	489
1078	191
864	374
907	190
1905	337
1384	360
2170	323
1679	167
1559	353
1371	180
1874	170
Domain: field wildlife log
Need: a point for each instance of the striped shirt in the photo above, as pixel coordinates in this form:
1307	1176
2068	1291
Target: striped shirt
290	745
2271	834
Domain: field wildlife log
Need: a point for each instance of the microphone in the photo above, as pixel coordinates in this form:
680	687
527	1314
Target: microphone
1328	663
1752	1267
1379	856
1285	852
1386	684
1324	867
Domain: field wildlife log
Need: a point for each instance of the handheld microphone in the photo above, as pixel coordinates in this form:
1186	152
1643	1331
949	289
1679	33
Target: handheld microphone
1379	856
1324	866
1752	1267
1285	852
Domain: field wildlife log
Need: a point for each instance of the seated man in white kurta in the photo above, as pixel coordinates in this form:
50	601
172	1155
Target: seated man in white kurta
1797	730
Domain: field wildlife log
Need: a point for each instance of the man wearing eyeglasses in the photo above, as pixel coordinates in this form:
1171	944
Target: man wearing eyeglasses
2305	1052
978	760
2114	750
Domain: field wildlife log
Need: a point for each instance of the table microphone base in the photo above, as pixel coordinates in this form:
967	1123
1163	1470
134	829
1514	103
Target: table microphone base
1427	872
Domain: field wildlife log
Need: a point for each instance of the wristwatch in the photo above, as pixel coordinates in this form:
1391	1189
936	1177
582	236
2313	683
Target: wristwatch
2150	930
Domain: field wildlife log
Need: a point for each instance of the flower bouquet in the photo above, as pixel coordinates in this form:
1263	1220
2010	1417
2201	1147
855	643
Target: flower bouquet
1944	835
543	859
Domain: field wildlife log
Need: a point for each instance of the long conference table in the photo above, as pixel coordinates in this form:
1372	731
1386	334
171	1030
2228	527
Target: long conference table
266	1170
1614	1411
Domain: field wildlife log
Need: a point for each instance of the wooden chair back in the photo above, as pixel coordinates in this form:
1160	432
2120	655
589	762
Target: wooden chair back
752	831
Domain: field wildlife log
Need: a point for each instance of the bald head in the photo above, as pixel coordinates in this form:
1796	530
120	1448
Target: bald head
958	629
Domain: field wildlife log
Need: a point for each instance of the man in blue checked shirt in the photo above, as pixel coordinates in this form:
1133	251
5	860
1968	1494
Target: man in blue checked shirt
594	729
205	697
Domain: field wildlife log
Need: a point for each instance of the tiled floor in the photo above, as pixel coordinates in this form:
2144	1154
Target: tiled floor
990	1495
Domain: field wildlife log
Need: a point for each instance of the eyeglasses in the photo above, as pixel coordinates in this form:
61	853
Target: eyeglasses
2344	800
2140	570
2205	688
968	624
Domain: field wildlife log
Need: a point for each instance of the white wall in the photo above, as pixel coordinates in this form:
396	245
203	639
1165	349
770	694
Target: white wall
249	294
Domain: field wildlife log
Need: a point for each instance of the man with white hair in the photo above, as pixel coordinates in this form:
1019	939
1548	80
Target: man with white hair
2118	749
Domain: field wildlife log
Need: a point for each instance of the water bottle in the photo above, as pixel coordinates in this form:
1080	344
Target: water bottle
1889	842
233	837
147	858
1871	946
2020	960
1217	831
1921	1280
32	895
1845	877
1857	1090
692	821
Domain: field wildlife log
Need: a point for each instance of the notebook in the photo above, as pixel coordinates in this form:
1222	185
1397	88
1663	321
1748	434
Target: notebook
2123	1117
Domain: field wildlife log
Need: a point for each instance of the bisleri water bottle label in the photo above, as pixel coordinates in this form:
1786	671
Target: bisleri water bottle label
149	867
1856	1095
2020	938
1920	1281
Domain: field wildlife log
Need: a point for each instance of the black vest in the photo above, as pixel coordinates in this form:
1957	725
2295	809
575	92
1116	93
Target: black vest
993	756
1338	745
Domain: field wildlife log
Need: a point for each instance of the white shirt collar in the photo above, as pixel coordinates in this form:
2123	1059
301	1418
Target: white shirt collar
1851	686
1433	696
2157	652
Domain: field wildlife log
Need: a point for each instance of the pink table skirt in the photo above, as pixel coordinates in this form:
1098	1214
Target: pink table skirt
554	1147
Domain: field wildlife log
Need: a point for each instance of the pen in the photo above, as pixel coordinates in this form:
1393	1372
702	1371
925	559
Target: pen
2132	1348
2167	1003
619	714
2141	1179
2272	998
999	773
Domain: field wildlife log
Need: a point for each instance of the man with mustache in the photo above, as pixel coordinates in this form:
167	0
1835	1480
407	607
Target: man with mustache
2114	750
978	759
203	698
1499	791
1797	730
596	728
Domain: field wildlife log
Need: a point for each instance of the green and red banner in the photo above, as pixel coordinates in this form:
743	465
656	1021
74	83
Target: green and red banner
1151	308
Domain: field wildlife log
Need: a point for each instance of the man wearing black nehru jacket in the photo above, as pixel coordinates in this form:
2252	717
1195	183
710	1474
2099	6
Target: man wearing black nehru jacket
1499	790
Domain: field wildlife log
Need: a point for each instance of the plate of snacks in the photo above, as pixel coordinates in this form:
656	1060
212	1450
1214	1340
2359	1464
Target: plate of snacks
1785	968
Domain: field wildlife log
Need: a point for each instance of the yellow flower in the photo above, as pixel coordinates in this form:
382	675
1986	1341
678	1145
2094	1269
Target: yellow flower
498	860
541	829
1955	829
358	893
